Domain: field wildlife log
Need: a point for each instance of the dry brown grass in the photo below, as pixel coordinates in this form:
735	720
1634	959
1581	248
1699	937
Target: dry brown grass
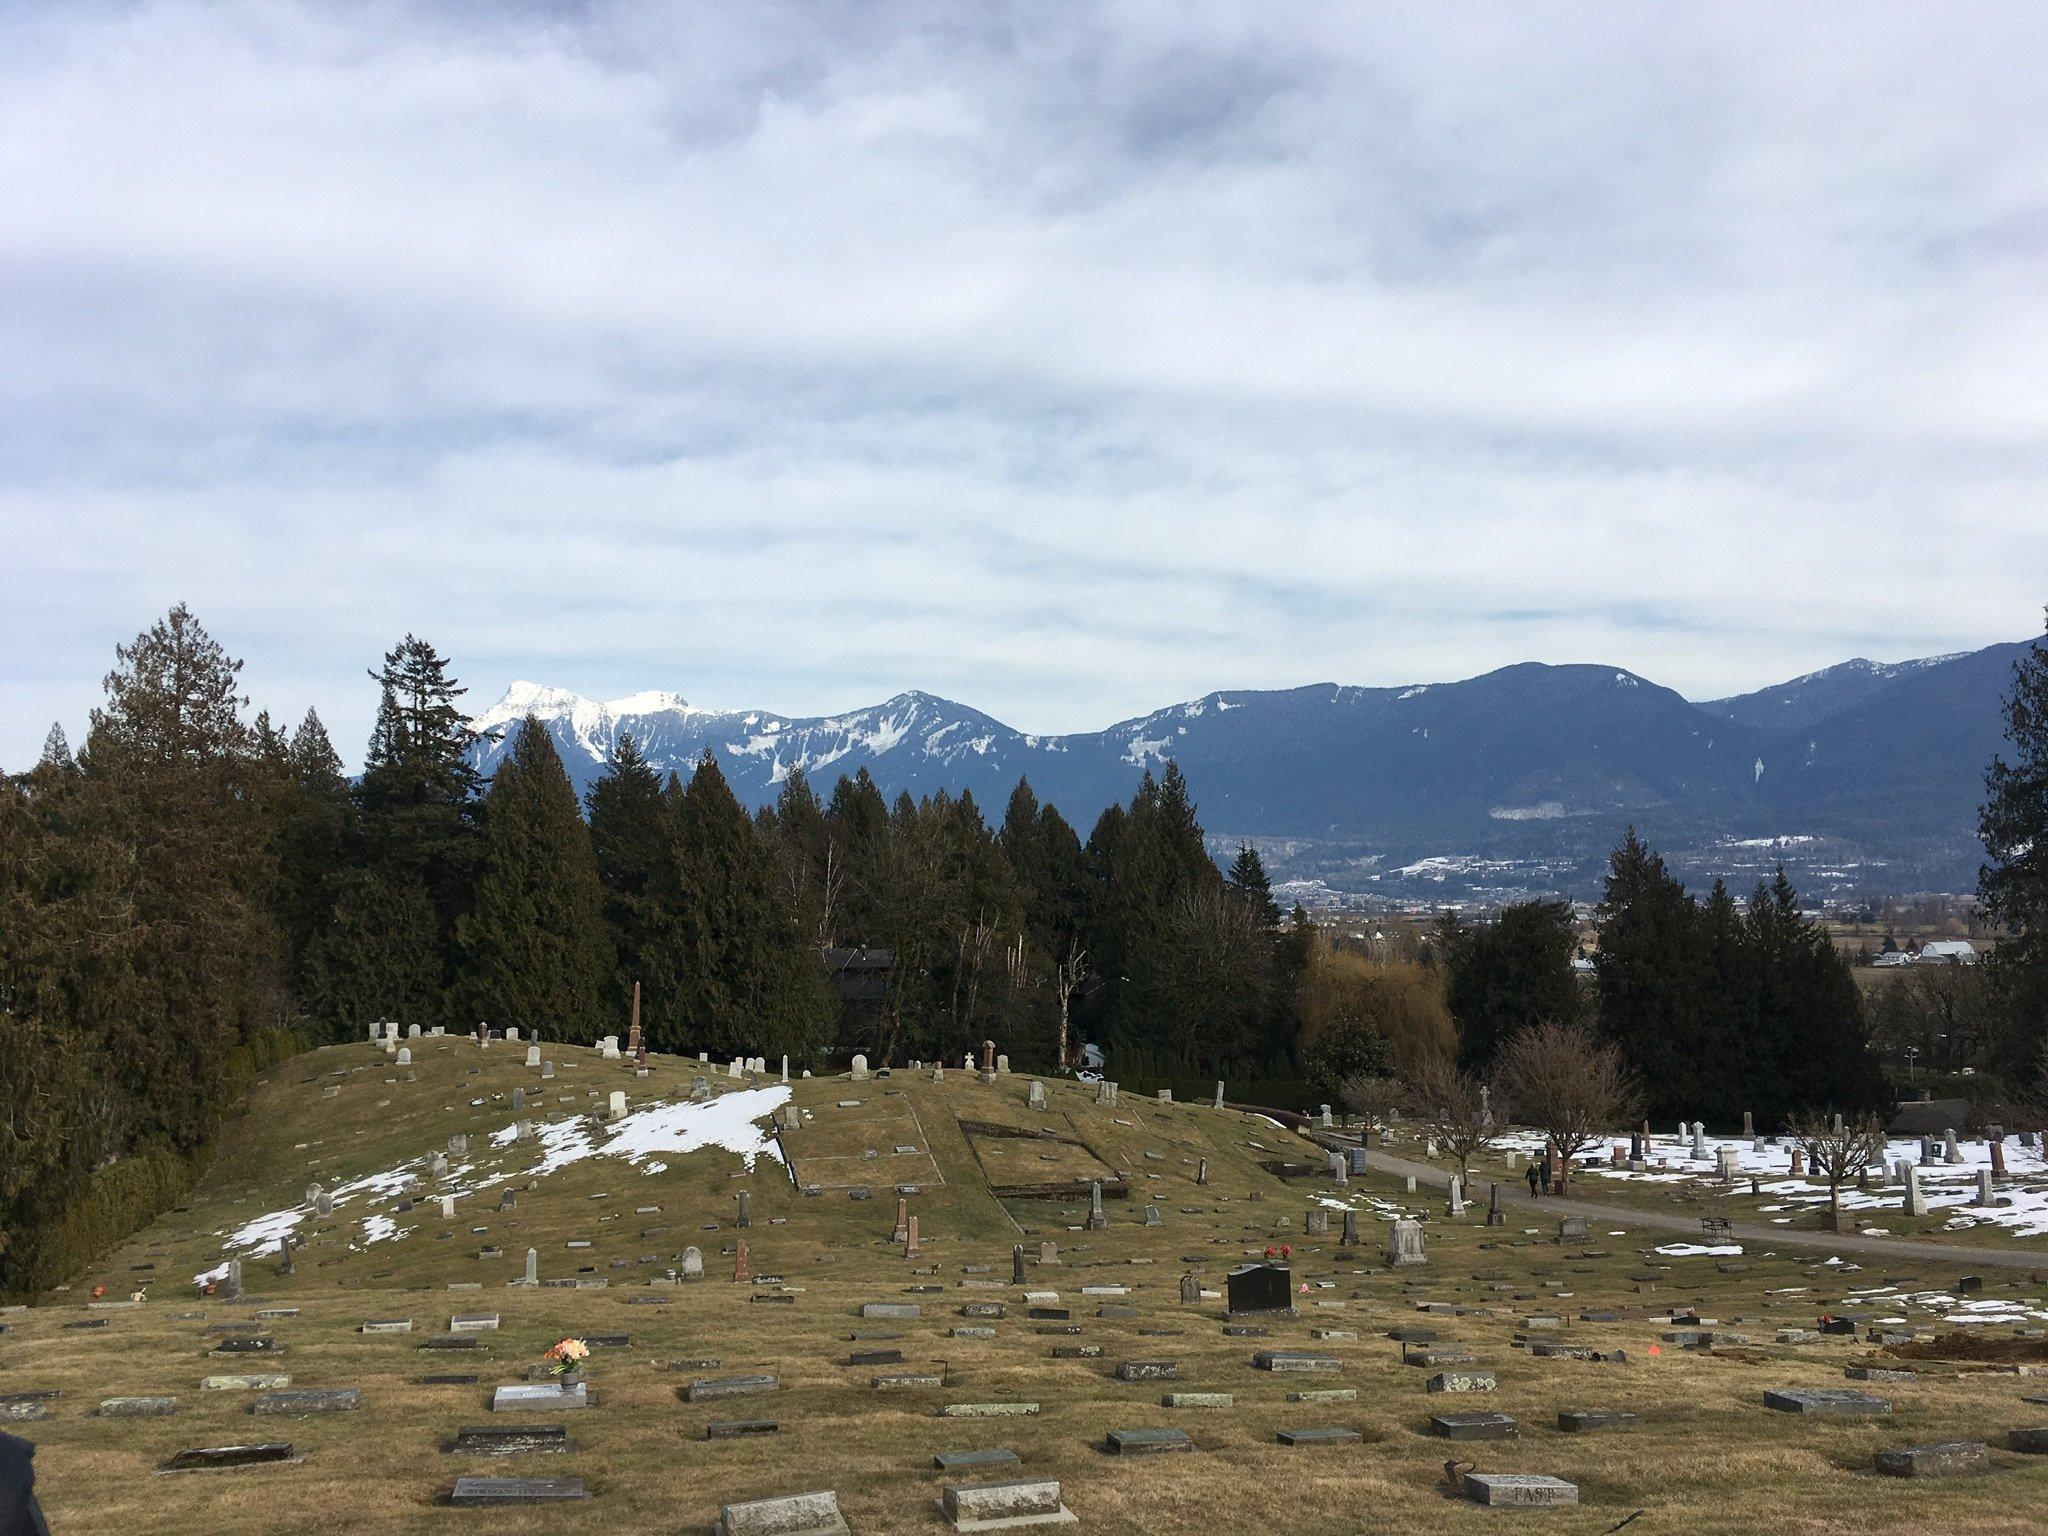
1706	1460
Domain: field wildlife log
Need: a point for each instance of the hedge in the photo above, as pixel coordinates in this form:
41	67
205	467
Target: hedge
126	1195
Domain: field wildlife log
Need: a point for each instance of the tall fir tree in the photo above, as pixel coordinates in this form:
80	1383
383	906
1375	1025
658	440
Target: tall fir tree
742	980
1505	975
2012	886
1812	1044
172	778
317	850
1648	977
534	944
631	835
418	804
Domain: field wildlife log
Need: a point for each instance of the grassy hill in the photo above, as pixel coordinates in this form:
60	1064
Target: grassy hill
1705	1457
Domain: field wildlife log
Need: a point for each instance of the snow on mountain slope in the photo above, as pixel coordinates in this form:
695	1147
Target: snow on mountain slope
1548	764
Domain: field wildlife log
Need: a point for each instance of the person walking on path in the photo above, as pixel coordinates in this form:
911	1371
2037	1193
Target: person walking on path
1535	1182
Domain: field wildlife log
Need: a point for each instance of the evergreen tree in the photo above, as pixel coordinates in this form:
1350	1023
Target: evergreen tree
1649	980
1508	974
316	853
1812	1044
417	798
534	938
811	864
1248	883
2013	886
738	978
171	780
631	836
57	751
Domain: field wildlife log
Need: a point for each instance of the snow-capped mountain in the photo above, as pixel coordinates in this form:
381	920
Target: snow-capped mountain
1877	771
1803	700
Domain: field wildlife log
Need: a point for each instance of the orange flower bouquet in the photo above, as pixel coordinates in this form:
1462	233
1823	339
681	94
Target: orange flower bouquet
566	1358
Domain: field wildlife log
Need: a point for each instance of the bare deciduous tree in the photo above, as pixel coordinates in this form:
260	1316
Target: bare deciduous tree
1565	1082
1373	1098
1837	1149
1451	1107
1067	978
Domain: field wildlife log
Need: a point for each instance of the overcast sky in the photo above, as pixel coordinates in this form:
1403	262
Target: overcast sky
1064	359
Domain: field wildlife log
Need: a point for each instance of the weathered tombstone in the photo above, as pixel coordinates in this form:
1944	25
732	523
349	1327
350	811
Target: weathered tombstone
1495	1216
1324	1119
1949	1458
1950	1152
785	1067
1455	1205
547	1070
794	1514
1985	1197
1166	1095
1404	1244
284	1254
1358	1164
1219	1093
860	1068
1518	1490
1017	1264
404	1056
1699	1141
740	1273
1727	1164
910	1250
1748	1126
323	1202
1105	1094
231	1283
437	1165
533	1266
533	1055
1315	1222
1998	1157
746	1216
1004	1506
1096	1220
1571	1230
518	1099
1037	1098
693	1264
700	1089
1350	1237
1340	1170
447	1207
1916	1198
1048	1253
617	1105
1190	1290
1202	1171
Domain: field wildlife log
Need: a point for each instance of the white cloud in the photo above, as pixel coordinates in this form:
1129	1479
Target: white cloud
1066	362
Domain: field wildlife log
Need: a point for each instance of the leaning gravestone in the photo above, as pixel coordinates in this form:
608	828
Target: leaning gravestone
795	1514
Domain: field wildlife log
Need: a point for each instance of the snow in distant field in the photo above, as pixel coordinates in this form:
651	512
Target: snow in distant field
1700	1250
1952	1189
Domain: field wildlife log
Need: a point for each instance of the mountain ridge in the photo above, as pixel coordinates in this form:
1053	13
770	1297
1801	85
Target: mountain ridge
1533	768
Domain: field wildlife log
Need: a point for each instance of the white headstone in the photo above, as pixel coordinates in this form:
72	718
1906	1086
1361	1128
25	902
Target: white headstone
404	1056
618	1105
860	1068
533	1055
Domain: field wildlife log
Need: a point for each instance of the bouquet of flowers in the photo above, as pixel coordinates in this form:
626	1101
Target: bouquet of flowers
566	1356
